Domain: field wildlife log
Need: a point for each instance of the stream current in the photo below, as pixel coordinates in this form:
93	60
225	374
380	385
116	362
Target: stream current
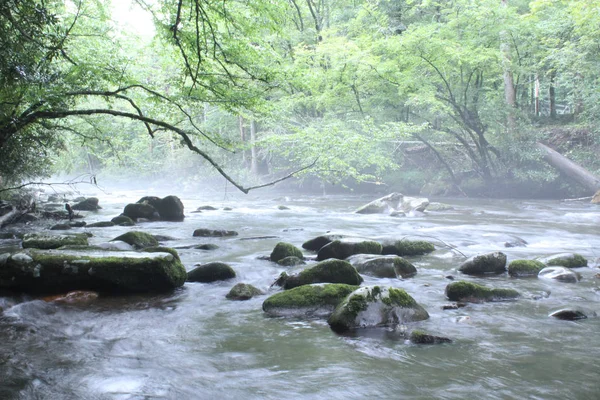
195	344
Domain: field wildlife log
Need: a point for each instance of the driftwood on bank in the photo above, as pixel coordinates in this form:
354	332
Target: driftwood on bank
572	170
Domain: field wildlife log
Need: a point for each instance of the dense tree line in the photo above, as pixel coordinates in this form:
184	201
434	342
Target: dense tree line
349	88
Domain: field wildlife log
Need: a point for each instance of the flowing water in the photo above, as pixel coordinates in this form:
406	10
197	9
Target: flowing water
195	344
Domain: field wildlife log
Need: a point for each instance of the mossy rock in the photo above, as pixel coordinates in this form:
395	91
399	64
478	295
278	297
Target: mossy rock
101	224
123	220
490	263
329	271
525	268
211	272
46	241
567	260
376	306
343	249
320	241
474	293
283	250
214	232
383	266
163	249
420	337
138	240
307	301
243	291
57	271
405	248
291	261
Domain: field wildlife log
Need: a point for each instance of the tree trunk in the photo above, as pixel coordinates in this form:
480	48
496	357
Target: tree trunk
510	94
243	139
253	152
570	169
552	95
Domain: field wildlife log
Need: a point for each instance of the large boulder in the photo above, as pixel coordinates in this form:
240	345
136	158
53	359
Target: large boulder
170	208
405	248
57	271
283	250
307	301
243	291
394	202
89	204
376	306
490	263
316	243
140	210
154	201
382	266
329	271
474	293
138	240
524	268
202	232
567	260
211	272
46	241
561	274
342	249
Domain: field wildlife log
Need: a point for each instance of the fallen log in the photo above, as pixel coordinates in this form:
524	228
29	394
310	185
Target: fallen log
9	217
570	169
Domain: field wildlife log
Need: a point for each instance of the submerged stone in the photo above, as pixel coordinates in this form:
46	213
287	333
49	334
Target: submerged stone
382	266
291	261
420	337
211	272
138	240
56	271
524	268
206	246
79	297
561	274
101	224
376	306
568	315
343	249
567	260
307	301
283	250
243	291
214	232
474	293
490	263
329	271
406	247
47	241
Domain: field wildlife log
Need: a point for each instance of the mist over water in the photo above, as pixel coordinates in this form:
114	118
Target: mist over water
195	344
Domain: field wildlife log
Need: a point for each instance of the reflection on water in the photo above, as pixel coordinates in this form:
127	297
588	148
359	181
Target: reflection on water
195	344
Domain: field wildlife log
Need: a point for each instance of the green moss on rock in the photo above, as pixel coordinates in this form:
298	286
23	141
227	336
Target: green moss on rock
122	220
162	249
46	241
567	260
404	248
138	240
290	261
343	249
211	272
472	292
101	224
330	271
420	337
243	291
525	268
283	250
313	300
490	263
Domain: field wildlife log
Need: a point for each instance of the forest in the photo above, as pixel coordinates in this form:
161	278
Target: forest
419	96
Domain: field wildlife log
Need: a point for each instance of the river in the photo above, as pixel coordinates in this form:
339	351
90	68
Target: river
195	344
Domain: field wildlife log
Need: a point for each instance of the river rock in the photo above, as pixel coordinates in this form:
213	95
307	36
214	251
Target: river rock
329	271
211	272
206	246
291	261
79	297
474	293
170	208
320	241
206	208
57	271
214	232
490	263
243	291
376	306
47	241
122	220
316	300
343	249
434	206
60	227
561	274
283	250
567	260
394	202
154	201
138	240
524	268
89	204
568	314
101	224
404	247
382	266
136	211
420	337
596	198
